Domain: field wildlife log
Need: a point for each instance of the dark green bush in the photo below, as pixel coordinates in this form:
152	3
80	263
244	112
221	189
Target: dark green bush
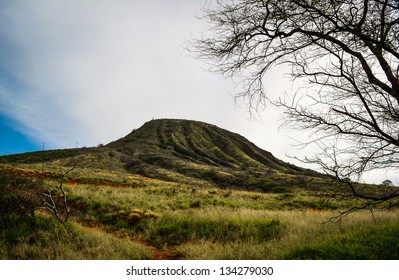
19	195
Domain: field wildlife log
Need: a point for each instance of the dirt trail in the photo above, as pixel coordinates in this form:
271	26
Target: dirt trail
157	254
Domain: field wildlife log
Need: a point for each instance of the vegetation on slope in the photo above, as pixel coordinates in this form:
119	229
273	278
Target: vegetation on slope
46	238
180	150
377	242
150	218
188	190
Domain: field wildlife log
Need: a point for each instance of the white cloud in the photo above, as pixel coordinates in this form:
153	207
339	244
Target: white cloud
89	71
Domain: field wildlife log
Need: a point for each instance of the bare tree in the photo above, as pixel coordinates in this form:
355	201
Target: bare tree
50	202
346	51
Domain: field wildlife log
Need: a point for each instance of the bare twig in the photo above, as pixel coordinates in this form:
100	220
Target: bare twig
50	204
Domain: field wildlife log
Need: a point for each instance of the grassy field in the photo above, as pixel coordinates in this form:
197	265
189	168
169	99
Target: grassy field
119	216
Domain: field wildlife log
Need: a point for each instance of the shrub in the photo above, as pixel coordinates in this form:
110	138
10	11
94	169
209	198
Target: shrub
19	195
387	183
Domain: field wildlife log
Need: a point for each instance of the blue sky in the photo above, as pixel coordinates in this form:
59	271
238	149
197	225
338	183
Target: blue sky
12	141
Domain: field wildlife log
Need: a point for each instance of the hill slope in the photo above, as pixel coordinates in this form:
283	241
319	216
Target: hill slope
196	142
178	150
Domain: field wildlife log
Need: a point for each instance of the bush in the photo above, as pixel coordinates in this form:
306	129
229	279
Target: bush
387	183
19	195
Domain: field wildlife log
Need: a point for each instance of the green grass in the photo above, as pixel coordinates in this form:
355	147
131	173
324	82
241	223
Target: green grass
210	223
302	229
121	216
45	238
176	229
369	243
173	197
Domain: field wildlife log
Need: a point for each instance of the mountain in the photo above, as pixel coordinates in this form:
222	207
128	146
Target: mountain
168	141
179	150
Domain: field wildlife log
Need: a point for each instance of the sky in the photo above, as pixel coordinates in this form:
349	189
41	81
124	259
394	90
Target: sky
79	73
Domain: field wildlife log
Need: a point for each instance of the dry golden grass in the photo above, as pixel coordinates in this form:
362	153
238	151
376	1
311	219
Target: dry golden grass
120	212
303	227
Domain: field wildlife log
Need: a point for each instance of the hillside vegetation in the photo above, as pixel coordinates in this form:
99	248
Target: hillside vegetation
177	189
181	151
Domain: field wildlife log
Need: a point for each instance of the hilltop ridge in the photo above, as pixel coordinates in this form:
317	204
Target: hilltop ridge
179	150
198	142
